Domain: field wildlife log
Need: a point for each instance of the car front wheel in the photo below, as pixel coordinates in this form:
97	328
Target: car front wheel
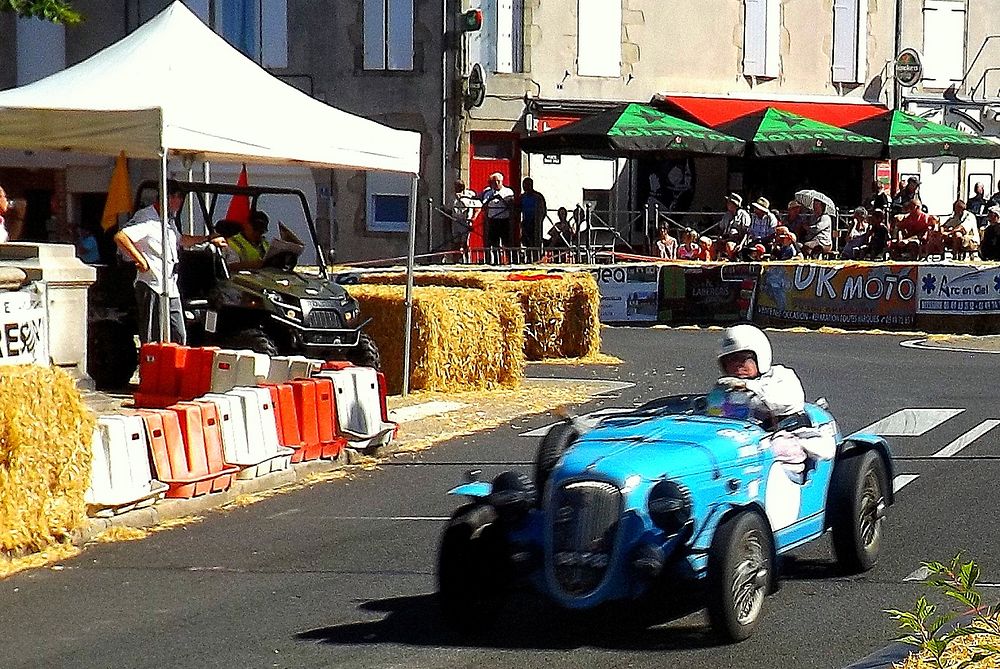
471	570
858	500
739	575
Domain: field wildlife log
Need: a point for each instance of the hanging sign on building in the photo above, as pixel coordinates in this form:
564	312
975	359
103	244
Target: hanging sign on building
909	70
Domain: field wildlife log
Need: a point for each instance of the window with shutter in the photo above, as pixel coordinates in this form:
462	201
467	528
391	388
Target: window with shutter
762	38
944	43
599	38
849	41
388	34
505	36
274	33
374	34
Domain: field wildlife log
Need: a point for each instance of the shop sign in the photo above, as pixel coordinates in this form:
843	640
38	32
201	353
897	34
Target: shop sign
628	292
23	329
909	70
959	290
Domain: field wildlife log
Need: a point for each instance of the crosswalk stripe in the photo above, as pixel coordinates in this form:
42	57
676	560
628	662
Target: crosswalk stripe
903	480
966	439
542	431
910	422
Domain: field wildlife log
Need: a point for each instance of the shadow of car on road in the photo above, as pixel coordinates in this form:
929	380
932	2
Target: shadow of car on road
524	623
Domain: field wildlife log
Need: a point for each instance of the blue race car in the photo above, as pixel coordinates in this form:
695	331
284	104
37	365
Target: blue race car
663	494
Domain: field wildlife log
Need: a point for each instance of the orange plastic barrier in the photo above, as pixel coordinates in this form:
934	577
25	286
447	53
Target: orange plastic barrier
185	470
326	418
383	394
335	365
304	393
286	417
203	442
197	377
160	367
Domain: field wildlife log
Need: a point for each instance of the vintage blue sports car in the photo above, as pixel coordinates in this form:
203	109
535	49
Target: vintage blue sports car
663	494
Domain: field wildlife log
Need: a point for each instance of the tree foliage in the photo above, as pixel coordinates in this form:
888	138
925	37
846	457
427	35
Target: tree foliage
57	11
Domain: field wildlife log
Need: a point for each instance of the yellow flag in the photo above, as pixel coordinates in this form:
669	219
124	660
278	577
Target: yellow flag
119	194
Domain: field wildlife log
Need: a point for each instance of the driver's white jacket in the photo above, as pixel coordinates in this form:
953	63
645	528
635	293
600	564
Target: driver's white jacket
780	391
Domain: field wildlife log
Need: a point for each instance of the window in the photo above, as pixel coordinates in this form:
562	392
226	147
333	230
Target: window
388	201
761	38
388	34
34	63
258	28
850	37
599	38
944	43
499	45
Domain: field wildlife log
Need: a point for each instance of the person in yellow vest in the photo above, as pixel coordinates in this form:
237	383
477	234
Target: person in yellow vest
248	248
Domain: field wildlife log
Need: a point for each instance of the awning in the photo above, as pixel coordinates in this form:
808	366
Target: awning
714	111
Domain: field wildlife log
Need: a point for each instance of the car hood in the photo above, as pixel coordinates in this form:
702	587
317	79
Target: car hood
289	283
675	446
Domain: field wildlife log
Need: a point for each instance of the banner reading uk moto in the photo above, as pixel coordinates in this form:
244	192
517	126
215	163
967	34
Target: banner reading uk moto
837	295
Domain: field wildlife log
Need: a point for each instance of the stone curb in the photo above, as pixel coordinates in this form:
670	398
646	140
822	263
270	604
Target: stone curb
169	509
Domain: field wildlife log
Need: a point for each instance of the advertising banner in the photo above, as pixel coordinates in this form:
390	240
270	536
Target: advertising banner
628	292
838	295
710	294
963	291
23	329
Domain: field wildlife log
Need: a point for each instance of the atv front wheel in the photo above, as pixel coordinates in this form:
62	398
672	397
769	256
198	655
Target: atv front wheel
739	575
858	500
254	339
365	354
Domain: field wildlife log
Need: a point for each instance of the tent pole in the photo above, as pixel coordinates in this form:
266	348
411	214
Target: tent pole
408	302
164	222
189	164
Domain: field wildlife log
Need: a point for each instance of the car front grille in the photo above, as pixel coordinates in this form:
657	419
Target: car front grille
584	524
323	318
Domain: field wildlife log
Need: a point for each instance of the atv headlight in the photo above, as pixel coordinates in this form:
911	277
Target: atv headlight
669	506
285	304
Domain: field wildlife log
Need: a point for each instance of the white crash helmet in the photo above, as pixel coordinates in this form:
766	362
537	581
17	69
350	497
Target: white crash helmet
746	338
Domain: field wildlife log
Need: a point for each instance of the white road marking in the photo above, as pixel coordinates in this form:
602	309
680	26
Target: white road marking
600	413
386	518
902	481
910	422
966	439
921	344
418	411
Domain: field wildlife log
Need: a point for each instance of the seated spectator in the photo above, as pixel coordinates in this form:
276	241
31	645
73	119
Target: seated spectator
784	247
735	217
875	243
960	233
762	222
562	233
796	222
990	247
856	234
910	233
666	246
724	247
690	248
758	253
818	238
706	248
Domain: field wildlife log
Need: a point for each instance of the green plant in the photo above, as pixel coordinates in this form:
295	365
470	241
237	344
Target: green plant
57	11
930	631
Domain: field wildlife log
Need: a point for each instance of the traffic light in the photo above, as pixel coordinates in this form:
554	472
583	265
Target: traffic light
471	21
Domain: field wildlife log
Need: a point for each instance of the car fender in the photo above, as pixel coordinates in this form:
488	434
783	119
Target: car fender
473	490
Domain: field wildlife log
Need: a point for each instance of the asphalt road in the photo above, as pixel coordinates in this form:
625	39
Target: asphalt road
341	575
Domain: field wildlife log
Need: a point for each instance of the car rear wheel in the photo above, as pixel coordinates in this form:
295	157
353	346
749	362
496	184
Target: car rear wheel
471	569
740	572
858	502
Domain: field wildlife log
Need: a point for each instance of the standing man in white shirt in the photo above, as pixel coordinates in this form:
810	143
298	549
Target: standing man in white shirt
499	203
141	240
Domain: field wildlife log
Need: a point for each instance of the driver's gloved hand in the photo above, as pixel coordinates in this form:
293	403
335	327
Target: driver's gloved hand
731	383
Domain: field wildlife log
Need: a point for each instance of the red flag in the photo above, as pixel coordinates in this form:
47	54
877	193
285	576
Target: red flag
239	206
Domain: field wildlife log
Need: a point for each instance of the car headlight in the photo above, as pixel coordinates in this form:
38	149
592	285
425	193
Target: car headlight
513	495
669	506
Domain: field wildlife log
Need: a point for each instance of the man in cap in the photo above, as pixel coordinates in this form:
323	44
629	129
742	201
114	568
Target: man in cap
248	248
763	223
990	247
795	220
736	217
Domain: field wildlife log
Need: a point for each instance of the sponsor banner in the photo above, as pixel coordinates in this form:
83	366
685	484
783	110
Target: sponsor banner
23	329
838	295
628	292
708	294
958	290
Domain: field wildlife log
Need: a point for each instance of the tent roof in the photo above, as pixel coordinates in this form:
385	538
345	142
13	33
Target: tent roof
174	83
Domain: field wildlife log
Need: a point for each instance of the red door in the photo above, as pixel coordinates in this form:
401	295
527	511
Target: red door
492	152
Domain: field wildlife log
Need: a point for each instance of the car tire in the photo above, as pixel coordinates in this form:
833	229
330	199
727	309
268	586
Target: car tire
740	572
366	353
471	568
555	442
858	500
254	339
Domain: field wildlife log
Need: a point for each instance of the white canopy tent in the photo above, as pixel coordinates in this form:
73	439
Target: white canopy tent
176	88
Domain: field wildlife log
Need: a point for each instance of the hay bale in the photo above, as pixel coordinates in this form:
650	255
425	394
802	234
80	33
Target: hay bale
45	442
561	311
462	338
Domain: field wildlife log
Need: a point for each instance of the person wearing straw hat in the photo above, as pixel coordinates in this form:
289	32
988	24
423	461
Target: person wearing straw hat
735	217
763	223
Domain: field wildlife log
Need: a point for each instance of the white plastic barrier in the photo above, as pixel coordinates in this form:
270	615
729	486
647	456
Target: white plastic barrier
261	430
289	367
238	368
120	475
235	442
359	406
